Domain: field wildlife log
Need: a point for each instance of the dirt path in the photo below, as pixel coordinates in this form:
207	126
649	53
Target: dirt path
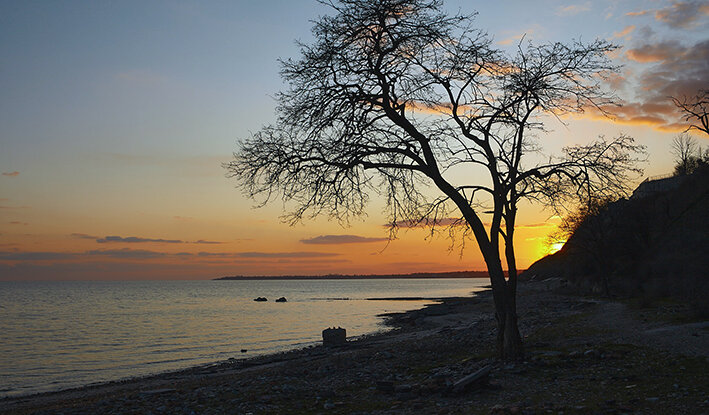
629	326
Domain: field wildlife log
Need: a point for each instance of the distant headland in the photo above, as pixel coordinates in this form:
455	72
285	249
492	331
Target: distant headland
416	275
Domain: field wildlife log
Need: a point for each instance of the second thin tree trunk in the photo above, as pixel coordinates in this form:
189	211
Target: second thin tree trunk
509	341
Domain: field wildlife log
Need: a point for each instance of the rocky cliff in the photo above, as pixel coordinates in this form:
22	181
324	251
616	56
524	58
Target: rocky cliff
654	244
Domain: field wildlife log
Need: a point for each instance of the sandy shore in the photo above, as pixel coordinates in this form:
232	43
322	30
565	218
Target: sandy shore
583	356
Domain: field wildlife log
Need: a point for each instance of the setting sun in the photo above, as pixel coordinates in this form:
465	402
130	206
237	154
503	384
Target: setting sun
555	247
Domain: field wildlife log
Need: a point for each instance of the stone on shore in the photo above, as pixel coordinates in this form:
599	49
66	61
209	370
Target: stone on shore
334	336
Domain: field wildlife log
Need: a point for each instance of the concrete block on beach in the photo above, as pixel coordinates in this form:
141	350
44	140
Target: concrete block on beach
334	336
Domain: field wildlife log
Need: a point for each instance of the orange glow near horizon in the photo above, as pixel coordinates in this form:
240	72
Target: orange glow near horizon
298	251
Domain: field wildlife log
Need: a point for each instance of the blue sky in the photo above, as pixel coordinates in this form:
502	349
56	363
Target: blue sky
115	118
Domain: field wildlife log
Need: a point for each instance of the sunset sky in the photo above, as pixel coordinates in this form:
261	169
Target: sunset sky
116	117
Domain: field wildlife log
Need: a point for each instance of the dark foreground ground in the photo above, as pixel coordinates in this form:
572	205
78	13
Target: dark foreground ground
584	356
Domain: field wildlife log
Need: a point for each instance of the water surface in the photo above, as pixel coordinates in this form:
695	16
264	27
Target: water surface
57	335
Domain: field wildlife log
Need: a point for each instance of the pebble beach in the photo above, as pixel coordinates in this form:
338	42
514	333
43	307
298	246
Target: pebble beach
583	355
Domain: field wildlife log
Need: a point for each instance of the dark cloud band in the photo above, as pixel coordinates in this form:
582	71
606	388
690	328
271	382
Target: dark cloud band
340	239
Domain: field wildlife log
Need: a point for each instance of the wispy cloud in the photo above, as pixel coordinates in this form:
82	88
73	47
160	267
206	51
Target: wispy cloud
285	254
661	117
142	254
675	70
665	69
11	207
420	266
139	239
35	256
442	222
683	14
11	174
513	39
136	239
83	236
678	15
625	32
516	37
54	256
267	255
126	253
341	239
534	225
657	52
573	9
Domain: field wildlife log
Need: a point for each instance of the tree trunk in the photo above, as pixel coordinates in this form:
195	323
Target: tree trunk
512	348
509	341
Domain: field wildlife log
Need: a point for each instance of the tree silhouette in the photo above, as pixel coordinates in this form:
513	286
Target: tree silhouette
695	110
688	154
399	99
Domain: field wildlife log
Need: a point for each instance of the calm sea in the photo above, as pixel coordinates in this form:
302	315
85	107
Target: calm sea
57	335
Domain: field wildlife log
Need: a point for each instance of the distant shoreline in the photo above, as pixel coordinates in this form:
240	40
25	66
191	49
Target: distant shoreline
417	275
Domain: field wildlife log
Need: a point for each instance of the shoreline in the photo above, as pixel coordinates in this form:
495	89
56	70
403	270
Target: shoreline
390	322
584	356
348	277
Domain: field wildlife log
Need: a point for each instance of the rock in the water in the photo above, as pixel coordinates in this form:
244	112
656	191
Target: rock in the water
281	300
260	299
334	336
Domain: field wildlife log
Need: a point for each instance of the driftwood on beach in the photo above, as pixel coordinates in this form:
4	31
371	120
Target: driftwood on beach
474	380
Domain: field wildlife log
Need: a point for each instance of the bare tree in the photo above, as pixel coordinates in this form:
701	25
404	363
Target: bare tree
399	99
695	110
686	151
689	155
